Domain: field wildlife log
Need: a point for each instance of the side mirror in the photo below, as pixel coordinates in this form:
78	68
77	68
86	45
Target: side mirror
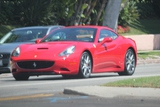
38	41
106	39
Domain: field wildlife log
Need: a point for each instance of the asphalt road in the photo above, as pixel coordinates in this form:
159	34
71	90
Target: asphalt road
48	91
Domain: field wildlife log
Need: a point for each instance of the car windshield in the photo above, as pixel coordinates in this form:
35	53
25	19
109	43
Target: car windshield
72	34
24	35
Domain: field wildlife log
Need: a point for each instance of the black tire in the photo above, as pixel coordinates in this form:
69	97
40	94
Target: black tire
21	77
85	67
129	64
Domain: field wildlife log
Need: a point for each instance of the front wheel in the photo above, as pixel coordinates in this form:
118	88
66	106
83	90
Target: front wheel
85	67
130	63
21	77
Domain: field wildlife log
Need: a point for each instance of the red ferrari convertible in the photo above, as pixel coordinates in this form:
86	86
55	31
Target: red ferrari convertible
75	51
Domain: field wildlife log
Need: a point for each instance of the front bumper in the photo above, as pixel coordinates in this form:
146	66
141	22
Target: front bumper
4	70
61	66
4	63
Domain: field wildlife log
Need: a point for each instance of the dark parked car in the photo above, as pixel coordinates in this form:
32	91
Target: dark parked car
20	36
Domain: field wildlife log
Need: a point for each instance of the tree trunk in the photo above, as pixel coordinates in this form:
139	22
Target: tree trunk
100	11
78	6
89	11
81	12
111	15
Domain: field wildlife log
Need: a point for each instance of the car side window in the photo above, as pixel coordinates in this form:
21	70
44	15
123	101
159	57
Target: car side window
114	35
106	33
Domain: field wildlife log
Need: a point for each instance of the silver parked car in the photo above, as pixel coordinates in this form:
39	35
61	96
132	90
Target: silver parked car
20	36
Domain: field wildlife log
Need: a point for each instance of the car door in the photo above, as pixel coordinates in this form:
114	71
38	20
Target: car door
107	54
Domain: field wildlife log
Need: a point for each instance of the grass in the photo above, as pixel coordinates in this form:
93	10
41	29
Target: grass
150	82
147	26
149	54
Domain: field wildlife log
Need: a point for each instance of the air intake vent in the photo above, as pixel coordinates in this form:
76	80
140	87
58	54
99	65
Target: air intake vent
42	48
35	64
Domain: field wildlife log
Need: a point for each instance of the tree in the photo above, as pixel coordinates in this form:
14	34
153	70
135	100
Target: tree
34	12
88	12
156	7
112	13
128	14
25	12
82	11
100	11
6	11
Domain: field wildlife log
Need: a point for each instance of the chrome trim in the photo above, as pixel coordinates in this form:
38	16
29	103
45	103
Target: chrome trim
1	55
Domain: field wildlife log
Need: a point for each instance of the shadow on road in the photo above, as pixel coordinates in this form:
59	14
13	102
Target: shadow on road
58	77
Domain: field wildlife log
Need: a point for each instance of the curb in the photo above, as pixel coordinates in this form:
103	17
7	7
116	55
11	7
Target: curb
112	92
147	61
71	91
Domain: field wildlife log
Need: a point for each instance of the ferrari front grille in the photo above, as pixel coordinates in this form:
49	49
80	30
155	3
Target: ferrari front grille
35	64
4	59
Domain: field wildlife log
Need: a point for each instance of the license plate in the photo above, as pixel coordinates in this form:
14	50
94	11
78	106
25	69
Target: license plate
1	63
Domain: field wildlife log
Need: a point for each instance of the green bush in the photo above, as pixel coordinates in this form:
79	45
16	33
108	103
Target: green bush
129	14
146	10
26	12
6	13
156	7
4	29
149	9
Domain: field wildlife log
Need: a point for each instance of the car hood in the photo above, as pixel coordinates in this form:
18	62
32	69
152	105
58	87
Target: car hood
47	50
48	47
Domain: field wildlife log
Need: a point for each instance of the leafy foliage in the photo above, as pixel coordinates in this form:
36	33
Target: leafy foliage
5	29
47	12
156	7
146	9
25	12
6	12
129	14
70	12
34	12
149	8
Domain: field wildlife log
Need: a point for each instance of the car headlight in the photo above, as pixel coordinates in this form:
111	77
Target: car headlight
16	52
68	51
